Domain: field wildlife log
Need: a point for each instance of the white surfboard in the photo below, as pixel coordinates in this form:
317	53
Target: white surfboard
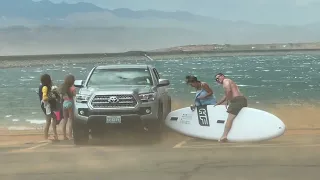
208	122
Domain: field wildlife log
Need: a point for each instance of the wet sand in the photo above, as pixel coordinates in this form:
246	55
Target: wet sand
302	119
297	117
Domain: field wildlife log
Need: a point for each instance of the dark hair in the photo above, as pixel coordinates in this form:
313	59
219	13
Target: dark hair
46	80
220	74
191	79
65	87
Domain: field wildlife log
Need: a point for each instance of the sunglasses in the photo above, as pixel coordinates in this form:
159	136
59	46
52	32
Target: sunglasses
217	78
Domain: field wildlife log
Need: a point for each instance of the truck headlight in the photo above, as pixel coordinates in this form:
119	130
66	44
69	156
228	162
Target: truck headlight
147	97
82	98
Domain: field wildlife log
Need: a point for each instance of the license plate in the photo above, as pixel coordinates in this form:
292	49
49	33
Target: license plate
113	119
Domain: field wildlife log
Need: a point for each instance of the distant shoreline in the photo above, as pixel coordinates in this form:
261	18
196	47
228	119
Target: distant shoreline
155	53
37	60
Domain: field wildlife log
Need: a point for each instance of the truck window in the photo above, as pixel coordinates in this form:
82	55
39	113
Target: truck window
128	76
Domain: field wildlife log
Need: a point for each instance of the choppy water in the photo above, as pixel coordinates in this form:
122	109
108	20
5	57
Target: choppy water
264	79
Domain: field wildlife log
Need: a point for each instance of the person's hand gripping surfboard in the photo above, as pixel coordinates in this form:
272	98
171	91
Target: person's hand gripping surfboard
193	106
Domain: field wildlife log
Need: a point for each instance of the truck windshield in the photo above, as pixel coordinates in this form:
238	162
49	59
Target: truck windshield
130	76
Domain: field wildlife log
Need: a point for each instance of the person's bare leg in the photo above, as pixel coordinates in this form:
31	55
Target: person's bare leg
64	127
70	122
227	127
54	128
46	129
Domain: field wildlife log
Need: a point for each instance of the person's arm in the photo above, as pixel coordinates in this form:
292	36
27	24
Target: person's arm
208	89
45	93
222	100
73	90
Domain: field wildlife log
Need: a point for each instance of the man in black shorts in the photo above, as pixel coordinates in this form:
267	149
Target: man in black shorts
236	99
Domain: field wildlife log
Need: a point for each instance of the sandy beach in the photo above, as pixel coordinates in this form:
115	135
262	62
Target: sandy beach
293	156
302	119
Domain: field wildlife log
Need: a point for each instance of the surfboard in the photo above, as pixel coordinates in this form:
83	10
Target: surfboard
208	122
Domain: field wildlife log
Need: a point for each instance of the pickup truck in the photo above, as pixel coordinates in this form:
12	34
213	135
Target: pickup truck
116	96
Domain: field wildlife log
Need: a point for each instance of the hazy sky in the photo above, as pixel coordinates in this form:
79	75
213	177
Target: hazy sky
264	11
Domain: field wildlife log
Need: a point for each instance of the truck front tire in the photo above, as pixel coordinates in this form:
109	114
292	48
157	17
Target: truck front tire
80	133
156	125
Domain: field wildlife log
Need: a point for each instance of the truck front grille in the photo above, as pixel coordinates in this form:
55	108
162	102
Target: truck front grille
113	101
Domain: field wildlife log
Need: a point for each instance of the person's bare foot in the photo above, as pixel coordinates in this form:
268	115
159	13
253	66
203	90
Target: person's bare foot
65	138
55	138
223	139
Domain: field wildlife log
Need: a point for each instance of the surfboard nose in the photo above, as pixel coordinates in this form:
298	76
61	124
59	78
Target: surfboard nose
281	128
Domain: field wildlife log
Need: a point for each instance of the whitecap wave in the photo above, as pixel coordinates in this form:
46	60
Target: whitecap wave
36	121
20	128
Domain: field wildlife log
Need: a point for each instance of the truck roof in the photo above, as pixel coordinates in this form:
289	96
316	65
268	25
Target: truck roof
120	66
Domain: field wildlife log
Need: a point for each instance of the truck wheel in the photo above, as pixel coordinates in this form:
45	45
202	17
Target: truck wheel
156	125
97	133
80	133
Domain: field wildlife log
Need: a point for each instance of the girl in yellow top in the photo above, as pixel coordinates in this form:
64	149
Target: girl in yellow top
44	90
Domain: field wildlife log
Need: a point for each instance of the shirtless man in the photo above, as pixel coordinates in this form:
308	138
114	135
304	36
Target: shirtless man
236	99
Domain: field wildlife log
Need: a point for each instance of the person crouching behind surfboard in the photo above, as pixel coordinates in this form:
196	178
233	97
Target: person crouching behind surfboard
237	101
204	94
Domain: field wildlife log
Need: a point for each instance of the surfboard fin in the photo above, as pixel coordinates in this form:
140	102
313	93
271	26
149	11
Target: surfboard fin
192	107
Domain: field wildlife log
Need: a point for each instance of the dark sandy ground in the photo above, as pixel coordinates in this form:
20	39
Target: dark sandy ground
293	156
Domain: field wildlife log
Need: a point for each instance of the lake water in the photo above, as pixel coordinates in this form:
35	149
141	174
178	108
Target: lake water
265	80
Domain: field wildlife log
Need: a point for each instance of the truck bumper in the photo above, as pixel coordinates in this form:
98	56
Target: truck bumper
140	116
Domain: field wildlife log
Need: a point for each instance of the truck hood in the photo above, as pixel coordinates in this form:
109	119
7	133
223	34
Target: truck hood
116	88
